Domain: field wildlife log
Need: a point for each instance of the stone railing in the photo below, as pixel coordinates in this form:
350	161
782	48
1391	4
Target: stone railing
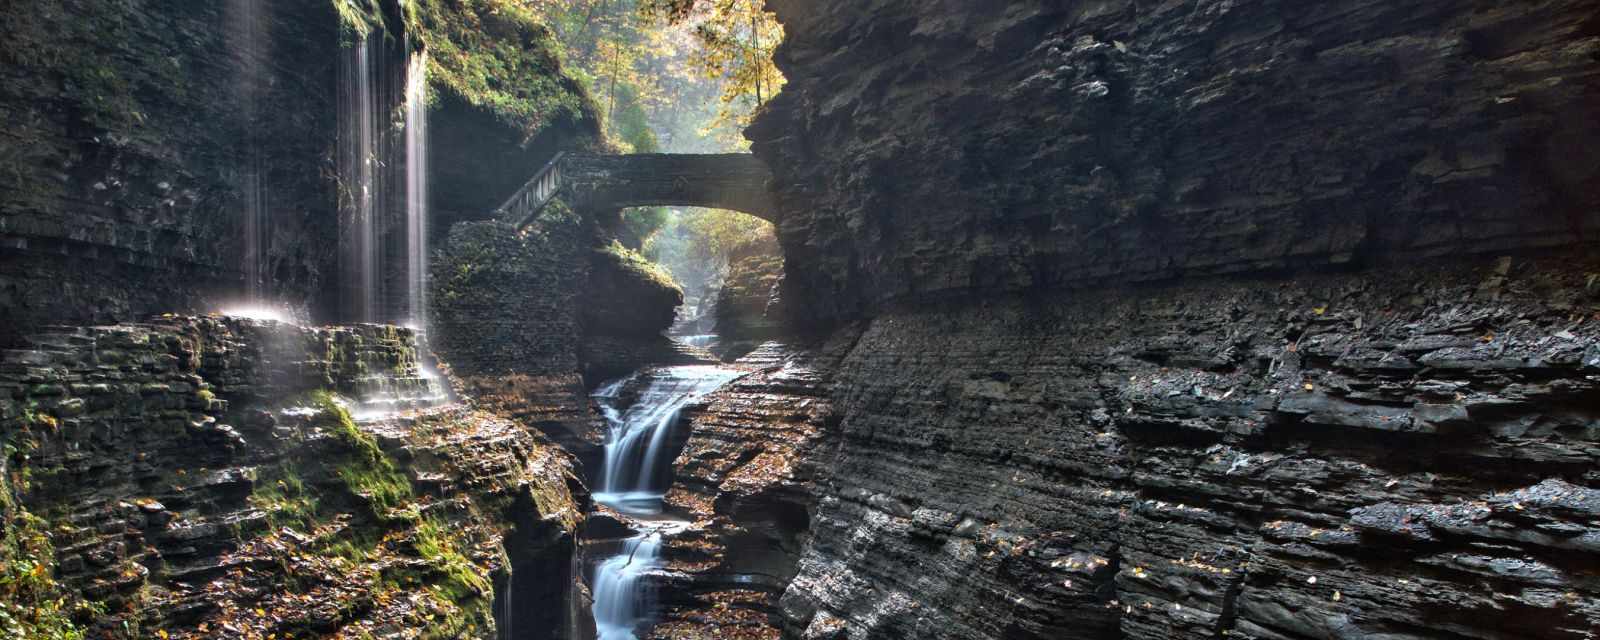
525	205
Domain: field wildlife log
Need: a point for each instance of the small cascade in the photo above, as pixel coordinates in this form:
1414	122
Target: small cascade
379	397
704	341
621	598
634	480
633	477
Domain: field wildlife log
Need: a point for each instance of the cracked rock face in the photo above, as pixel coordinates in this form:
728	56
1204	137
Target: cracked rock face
1404	454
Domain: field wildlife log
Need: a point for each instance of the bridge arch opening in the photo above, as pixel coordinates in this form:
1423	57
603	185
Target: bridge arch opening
730	266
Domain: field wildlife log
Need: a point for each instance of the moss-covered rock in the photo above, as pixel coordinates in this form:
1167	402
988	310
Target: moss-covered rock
628	295
206	481
498	56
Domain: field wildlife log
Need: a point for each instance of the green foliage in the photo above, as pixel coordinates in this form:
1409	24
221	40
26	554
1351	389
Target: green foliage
32	604
497	55
708	235
630	124
737	40
641	223
357	18
695	245
642	70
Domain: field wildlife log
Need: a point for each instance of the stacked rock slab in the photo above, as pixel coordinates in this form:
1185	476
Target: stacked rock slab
1405	454
193	484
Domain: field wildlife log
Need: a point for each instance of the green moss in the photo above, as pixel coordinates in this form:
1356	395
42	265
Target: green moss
368	472
460	590
463	580
497	56
634	261
357	18
283	495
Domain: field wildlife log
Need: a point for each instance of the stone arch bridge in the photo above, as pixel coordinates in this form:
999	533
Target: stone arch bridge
734	181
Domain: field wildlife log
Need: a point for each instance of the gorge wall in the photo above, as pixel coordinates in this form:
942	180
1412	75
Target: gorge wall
1402	454
154	480
1252	318
939	148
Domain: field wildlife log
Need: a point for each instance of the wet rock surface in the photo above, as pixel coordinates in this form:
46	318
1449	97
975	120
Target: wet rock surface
127	136
1405	453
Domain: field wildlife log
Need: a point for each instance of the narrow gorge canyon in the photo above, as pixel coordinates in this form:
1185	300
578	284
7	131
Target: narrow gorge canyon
1108	320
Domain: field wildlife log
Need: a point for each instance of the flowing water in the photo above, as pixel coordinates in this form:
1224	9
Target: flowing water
703	340
417	190
358	185
634	479
248	43
383	181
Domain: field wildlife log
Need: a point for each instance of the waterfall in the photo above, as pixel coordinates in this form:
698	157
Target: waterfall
247	38
634	480
621	598
383	181
507	628
358	264
417	190
703	340
383	207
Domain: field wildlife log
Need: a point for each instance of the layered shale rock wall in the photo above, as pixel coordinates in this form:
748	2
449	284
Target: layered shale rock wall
1266	319
748	307
189	478
1405	454
951	148
747	480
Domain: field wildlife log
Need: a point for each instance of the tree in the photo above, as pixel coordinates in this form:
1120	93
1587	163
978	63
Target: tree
606	44
737	39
